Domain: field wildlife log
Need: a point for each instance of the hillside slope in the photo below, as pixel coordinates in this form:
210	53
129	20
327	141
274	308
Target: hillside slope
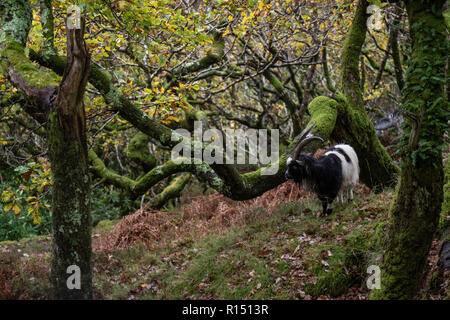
272	247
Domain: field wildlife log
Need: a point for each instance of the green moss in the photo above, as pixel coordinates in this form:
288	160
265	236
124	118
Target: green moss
47	25
26	67
138	150
70	206
20	63
443	222
415	212
446	15
8	243
353	125
214	55
350	55
336	278
110	176
173	190
323	111
16	21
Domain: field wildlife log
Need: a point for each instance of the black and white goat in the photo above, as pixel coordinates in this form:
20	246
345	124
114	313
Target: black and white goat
329	176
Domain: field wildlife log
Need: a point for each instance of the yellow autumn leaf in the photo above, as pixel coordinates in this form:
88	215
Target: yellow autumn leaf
6	197
173	118
8	206
16	208
42	186
122	5
36	217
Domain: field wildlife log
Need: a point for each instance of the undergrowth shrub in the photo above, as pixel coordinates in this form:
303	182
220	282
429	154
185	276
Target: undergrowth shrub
24	203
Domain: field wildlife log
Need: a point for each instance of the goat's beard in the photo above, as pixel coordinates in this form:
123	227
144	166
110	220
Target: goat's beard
305	184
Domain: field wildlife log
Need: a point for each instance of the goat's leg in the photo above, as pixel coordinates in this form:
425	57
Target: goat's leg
351	195
341	196
330	207
324	207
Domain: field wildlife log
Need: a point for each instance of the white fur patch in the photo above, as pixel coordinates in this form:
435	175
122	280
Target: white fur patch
289	160
350	170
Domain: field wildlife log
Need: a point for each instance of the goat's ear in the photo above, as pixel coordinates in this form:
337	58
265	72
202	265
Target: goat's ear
301	163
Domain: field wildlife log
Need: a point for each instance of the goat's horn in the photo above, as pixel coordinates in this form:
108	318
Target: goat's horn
307	130
300	143
304	143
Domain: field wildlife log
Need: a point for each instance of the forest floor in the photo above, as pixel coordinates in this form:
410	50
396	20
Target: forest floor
272	247
276	246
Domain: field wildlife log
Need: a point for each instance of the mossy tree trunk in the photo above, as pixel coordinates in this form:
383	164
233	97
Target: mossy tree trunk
353	125
415	212
63	107
70	173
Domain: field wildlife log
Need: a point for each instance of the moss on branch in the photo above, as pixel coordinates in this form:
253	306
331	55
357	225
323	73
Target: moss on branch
173	190
16	21
15	61
323	110
214	55
111	177
292	107
101	80
138	151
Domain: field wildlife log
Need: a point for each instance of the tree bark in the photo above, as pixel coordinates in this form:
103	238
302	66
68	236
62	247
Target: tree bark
172	191
417	205
138	151
71	183
46	11
394	46
63	110
353	125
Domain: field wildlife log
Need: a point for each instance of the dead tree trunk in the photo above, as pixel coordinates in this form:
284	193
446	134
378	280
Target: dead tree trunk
60	104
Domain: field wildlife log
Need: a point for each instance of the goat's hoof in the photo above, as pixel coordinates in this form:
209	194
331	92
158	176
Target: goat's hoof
329	211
